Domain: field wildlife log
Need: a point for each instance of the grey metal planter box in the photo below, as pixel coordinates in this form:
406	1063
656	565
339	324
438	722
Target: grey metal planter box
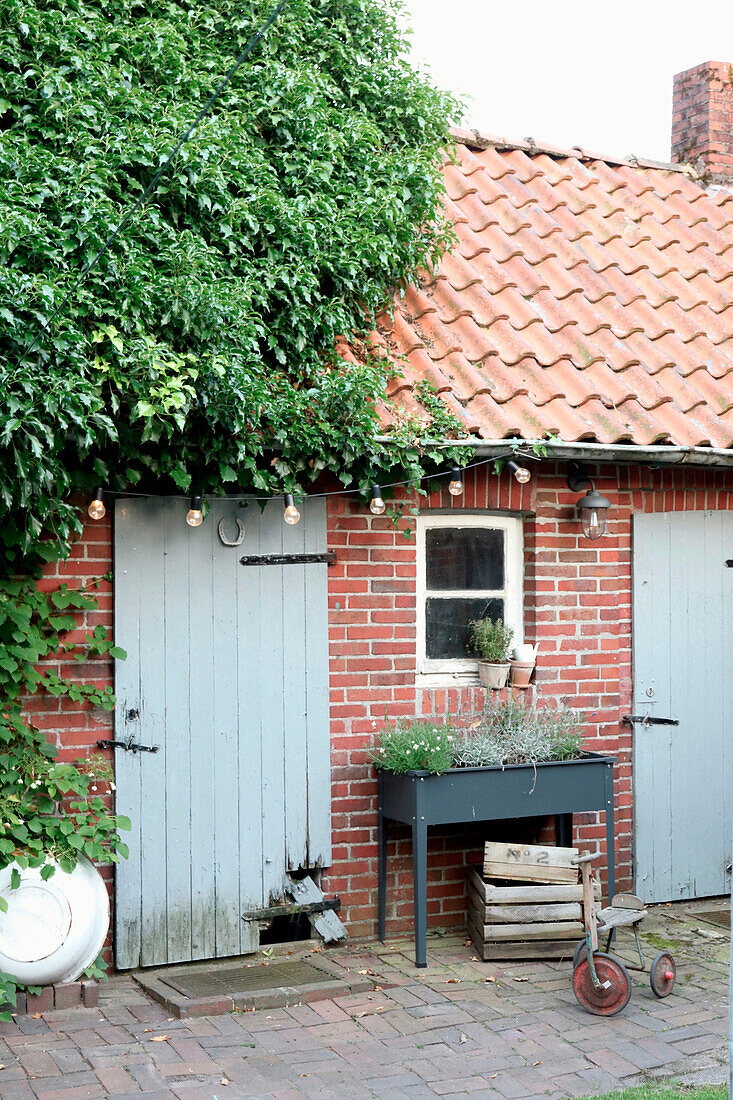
558	787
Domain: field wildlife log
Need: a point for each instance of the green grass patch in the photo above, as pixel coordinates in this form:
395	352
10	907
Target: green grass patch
675	1092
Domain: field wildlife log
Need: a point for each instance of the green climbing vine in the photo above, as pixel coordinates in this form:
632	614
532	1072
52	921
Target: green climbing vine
50	809
199	353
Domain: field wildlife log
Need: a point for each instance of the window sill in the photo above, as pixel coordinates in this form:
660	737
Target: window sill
462	679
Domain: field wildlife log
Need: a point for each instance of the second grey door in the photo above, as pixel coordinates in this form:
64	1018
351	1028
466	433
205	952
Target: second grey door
683	669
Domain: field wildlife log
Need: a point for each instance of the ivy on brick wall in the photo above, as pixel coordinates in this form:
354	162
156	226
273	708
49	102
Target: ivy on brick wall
199	353
37	627
49	809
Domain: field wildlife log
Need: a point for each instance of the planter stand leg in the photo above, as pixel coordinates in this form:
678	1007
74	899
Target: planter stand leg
382	876
564	830
420	889
610	837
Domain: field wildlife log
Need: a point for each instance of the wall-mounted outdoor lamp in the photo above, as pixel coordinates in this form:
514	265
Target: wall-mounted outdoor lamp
593	507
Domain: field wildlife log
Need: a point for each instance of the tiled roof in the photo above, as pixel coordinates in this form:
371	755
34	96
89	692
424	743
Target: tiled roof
586	297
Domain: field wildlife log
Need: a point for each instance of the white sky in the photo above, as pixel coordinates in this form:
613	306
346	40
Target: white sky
595	73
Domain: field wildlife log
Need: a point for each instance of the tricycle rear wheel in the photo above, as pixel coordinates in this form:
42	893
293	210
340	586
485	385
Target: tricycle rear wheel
662	974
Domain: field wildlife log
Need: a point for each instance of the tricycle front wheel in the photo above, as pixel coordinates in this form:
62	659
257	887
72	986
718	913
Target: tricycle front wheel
602	1001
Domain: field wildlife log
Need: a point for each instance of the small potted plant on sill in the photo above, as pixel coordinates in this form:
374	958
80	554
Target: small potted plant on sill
490	641
523	660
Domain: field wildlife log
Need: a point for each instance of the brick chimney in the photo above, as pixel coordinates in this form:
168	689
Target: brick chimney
702	120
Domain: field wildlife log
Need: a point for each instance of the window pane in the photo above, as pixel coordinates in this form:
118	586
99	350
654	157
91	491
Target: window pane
464	557
446	624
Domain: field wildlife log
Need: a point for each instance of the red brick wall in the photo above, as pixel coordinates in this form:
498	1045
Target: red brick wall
577	606
702	120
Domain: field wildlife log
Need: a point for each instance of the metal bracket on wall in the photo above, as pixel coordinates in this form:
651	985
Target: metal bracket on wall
329	557
648	720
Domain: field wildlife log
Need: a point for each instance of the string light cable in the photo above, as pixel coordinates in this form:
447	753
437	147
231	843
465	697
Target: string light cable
142	200
374	492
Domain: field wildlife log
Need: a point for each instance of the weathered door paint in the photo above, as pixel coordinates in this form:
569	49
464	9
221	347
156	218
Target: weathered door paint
227	673
683	669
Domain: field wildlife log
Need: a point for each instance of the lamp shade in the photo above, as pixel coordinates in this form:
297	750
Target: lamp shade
593	508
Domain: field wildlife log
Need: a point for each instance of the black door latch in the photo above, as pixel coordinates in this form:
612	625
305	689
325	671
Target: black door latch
649	720
128	746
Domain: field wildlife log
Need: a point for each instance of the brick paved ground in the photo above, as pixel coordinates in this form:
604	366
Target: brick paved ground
444	1031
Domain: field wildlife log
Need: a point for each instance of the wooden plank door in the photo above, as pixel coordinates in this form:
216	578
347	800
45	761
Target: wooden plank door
683	669
227	674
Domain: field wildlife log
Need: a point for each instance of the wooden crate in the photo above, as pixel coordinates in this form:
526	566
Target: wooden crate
528	904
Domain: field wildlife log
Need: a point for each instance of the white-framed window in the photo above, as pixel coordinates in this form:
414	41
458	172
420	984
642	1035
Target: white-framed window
469	566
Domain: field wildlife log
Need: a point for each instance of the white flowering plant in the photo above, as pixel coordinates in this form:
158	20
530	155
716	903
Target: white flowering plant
414	744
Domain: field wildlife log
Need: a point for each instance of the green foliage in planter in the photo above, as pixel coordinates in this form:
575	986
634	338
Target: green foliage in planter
515	732
508	732
490	640
199	353
48	808
417	745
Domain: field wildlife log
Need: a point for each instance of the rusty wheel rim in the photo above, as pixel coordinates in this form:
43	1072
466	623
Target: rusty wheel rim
662	974
602	1002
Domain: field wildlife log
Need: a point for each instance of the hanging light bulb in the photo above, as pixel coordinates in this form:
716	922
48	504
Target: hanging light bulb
194	516
376	504
521	473
292	515
455	485
96	509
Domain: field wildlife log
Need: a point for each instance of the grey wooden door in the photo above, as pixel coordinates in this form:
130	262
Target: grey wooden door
227	673
683	669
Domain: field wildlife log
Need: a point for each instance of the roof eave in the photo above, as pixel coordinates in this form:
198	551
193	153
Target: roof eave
658	455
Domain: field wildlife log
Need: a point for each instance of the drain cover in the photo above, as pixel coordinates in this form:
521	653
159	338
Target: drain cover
228	980
720	917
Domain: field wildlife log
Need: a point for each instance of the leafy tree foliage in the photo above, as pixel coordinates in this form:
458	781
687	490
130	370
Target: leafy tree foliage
199	352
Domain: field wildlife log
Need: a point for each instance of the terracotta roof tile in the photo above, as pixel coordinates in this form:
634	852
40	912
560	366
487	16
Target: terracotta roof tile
586	298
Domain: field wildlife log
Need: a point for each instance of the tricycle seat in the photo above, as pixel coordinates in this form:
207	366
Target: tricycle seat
615	917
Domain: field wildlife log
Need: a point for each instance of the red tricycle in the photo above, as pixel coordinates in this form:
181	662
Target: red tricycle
601	982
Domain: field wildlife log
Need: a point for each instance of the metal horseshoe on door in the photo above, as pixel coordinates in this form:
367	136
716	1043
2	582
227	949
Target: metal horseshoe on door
231	542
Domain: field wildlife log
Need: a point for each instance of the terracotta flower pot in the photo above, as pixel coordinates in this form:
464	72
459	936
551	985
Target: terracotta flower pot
493	676
521	673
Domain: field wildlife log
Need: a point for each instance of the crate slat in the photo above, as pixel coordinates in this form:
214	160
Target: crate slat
547	930
494	894
542	949
533	862
531	914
